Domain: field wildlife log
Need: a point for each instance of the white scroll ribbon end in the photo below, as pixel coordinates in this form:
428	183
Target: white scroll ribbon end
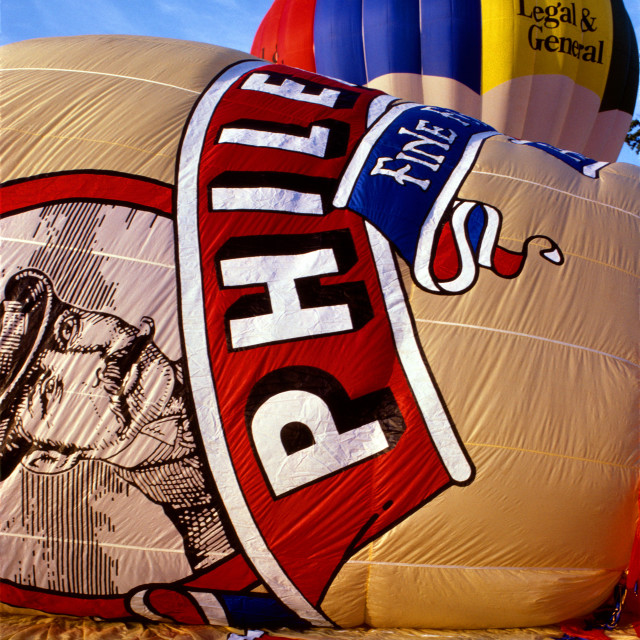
553	256
553	253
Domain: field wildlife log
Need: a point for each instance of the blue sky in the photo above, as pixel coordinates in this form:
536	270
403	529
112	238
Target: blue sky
230	23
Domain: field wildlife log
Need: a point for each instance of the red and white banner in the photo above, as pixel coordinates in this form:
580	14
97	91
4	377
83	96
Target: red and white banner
322	424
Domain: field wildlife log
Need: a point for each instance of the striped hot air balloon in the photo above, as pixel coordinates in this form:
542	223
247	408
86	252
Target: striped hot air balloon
562	72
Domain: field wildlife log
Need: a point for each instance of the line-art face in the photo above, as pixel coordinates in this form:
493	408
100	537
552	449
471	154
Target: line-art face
96	369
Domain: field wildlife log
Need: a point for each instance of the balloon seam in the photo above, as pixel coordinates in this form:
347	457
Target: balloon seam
532	336
103	73
567	193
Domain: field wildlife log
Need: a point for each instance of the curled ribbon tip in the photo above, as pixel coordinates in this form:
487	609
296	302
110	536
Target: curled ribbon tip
553	255
449	256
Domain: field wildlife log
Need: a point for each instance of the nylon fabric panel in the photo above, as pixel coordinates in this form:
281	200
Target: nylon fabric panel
285	34
620	92
610	127
518	518
443	91
568	52
490	603
515	43
538	372
600	243
266	41
79	144
295	35
547	70
452	40
165	75
622	82
521	106
580	116
186	65
337	37
552	518
600	40
391	33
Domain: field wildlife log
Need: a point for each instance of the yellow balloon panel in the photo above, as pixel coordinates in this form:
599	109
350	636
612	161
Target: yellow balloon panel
522	38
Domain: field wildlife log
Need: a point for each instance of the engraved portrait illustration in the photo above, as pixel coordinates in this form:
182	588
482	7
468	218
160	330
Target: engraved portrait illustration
96	436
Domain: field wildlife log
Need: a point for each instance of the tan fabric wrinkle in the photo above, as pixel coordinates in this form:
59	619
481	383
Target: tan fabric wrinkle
574	255
82	139
551	454
549	188
104	74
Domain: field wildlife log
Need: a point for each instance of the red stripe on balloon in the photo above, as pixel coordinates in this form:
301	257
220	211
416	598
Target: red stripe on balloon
446	262
266	38
40	191
108	608
296	34
285	35
233	574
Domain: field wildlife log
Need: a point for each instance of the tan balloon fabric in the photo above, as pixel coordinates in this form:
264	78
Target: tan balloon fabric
540	377
539	373
114	103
